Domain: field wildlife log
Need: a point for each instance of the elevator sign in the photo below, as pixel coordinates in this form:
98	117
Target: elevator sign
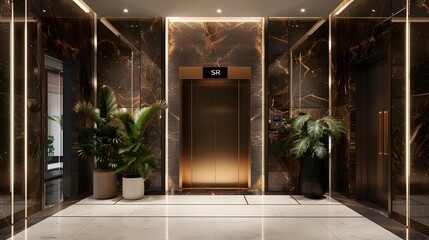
215	72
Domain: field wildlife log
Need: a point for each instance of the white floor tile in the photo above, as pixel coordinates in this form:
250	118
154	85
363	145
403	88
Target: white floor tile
207	211
97	210
207	217
317	211
270	199
357	229
92	201
326	200
187	200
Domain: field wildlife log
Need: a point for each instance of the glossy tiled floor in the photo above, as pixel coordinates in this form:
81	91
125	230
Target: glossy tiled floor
207	217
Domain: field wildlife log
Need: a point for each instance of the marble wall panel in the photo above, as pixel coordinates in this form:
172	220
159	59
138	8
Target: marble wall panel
215	44
115	62
66	34
146	37
286	37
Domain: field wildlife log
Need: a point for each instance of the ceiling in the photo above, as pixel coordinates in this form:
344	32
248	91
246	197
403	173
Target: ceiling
207	8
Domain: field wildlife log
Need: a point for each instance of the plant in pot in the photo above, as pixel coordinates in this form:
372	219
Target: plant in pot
99	138
137	161
50	145
307	141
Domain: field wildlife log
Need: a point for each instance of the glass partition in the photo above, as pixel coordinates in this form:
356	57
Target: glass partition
419	111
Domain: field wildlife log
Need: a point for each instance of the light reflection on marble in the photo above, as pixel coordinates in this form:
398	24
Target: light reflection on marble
271	222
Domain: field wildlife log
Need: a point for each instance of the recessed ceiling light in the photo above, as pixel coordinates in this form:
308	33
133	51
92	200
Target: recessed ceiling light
125	10
373	10
44	10
302	10
219	10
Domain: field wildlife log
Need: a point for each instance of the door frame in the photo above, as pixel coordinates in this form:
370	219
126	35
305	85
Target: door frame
196	73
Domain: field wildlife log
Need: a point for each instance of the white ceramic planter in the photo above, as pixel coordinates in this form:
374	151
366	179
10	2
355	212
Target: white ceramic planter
104	184
132	187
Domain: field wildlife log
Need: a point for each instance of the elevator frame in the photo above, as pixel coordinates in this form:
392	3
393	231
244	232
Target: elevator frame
196	73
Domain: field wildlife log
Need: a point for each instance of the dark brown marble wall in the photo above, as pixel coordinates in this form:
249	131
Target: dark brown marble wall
307	81
5	11
142	49
215	44
67	34
50	33
34	113
359	34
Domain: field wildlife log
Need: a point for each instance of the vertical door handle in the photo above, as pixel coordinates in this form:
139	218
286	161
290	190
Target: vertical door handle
380	134
385	132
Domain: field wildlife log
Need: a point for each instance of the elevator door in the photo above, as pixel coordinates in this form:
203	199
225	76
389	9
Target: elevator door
215	133
373	97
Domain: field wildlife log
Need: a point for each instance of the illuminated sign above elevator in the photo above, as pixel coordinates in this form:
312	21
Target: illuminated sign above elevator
215	72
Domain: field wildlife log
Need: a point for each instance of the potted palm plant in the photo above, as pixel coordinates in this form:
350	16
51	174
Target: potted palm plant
307	141
137	161
99	138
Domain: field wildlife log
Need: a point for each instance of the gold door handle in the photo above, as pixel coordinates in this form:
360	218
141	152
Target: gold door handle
385	132
380	133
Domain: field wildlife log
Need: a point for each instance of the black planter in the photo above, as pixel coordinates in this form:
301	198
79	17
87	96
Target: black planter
312	178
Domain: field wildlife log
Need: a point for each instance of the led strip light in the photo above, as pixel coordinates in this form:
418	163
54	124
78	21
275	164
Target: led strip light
12	112
407	113
25	110
166	110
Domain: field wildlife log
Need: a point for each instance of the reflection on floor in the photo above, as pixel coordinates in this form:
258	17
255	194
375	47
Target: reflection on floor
419	208
53	191
207	217
5	205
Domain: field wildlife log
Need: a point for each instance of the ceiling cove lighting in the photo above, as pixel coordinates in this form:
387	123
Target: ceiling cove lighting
82	5
343	5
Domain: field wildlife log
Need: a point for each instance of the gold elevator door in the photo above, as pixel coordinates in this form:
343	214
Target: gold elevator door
215	133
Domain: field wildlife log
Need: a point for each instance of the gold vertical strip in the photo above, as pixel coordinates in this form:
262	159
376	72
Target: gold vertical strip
380	134
238	134
263	106
132	81
407	113
330	103
94	60
290	85
25	109
166	110
12	111
385	133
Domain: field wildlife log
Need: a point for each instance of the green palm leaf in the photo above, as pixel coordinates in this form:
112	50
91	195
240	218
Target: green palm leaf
89	111
300	121
315	129
320	150
142	117
107	102
336	128
301	146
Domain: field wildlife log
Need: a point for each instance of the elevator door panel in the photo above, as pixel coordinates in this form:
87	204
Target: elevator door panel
377	166
373	96
215	133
